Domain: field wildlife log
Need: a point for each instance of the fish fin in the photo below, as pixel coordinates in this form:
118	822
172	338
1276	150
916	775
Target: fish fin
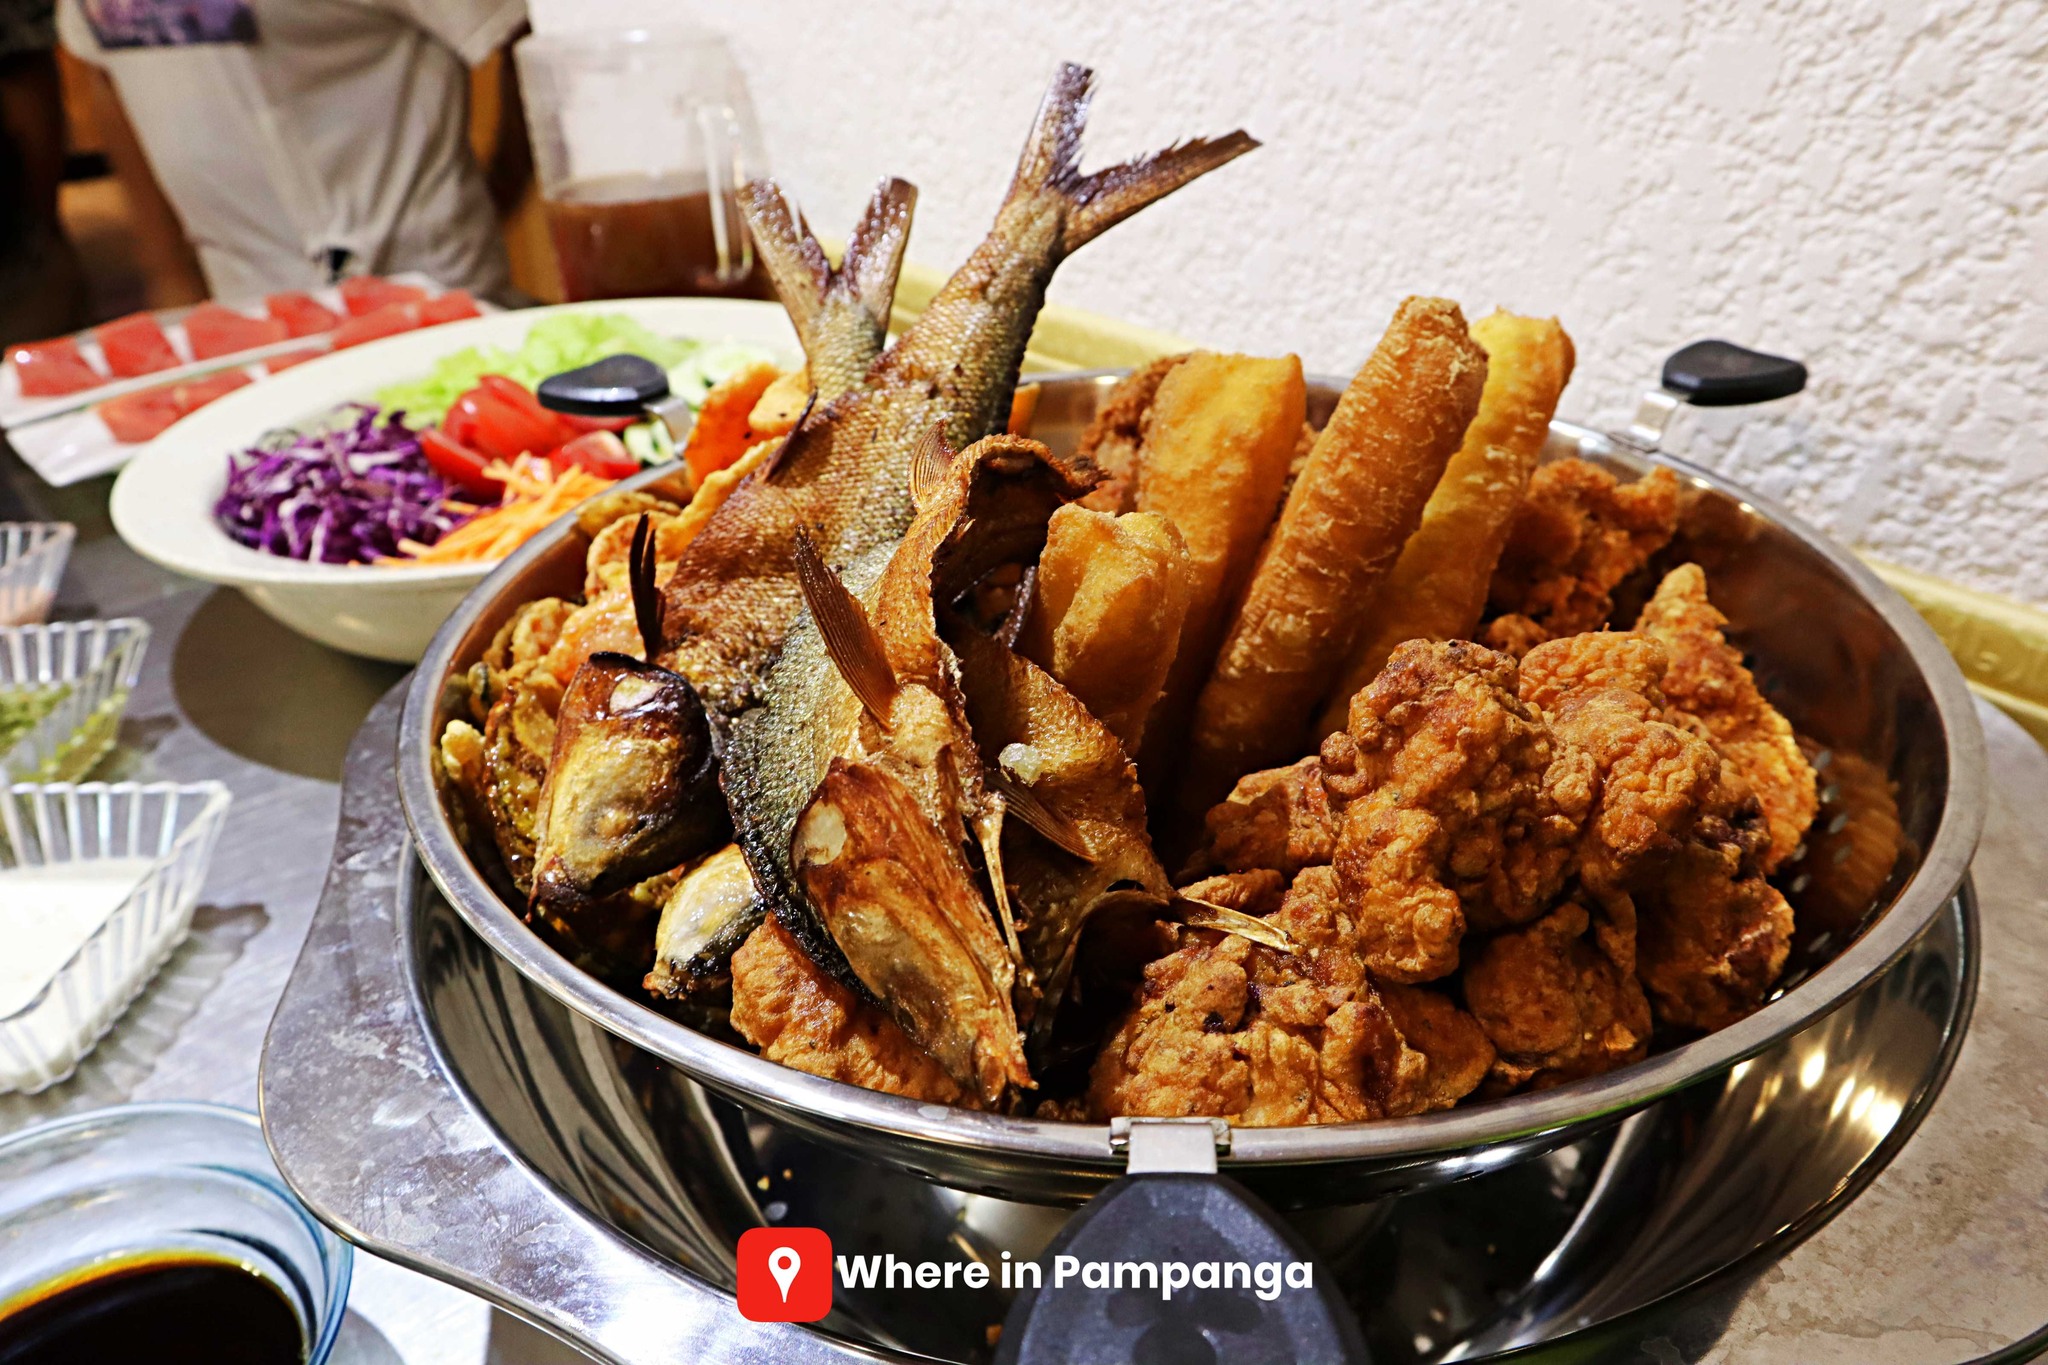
929	463
1101	199
640	566
850	638
1025	805
988	832
1019	615
772	466
1200	914
874	253
795	263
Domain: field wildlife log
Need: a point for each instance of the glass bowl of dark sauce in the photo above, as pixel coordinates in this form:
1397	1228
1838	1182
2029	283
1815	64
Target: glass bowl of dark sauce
161	1233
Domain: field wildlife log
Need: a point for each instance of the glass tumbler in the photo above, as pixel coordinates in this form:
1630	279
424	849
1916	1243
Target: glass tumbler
149	1179
642	141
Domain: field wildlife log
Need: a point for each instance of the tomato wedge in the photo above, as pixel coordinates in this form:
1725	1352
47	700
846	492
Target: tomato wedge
458	464
526	401
600	452
597	423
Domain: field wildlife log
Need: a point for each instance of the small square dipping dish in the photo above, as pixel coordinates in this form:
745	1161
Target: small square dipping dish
69	682
32	558
162	834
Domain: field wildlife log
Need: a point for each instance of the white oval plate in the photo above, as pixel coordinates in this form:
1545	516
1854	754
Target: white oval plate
162	504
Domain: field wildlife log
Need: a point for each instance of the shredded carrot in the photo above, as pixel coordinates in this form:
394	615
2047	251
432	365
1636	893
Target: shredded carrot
535	494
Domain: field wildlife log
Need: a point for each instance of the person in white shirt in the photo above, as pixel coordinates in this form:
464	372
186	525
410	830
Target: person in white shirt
301	141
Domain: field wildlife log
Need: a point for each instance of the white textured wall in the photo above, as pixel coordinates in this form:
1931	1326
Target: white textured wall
1861	185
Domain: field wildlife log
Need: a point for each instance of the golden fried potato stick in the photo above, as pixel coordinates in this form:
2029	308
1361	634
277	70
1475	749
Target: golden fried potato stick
1437	588
1111	442
1219	436
1112	594
1354	505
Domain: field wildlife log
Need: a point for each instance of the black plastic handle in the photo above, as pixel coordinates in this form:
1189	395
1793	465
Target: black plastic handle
1720	374
617	386
1189	1221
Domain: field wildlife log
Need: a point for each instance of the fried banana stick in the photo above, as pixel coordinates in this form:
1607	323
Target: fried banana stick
1219	438
1437	588
1351	509
1112	595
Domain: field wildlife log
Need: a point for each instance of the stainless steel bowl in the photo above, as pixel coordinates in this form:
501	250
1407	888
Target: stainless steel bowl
1843	655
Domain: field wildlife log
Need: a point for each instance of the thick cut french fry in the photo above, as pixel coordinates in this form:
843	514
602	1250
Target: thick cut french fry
1354	505
1437	588
1112	441
1218	441
1112	593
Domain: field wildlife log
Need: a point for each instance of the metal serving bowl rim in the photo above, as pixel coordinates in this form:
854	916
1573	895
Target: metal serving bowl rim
1459	1131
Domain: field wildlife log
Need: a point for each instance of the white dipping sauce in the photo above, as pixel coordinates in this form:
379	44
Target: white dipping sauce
47	913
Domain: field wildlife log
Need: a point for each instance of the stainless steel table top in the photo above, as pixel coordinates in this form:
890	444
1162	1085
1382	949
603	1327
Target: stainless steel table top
1945	1257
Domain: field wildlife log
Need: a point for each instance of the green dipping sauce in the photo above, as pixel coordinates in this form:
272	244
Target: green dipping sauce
22	707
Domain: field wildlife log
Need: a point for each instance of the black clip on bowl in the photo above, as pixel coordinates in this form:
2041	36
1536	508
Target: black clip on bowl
618	386
1712	374
1172	1208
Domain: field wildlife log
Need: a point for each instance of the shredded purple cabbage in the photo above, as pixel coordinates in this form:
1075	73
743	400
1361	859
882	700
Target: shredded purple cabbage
344	495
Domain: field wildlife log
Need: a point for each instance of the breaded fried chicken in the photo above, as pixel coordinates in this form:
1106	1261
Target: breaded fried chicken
1707	681
796	1014
1278	818
1675	830
1601	694
1226	1027
1713	934
1554	1003
1456	807
1578	534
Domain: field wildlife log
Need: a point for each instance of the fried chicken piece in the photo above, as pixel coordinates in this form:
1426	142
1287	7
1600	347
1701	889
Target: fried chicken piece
1707	681
1578	533
1602	695
1112	441
1674	823
1226	1027
799	1016
1711	940
1280	818
1554	1003
1456	804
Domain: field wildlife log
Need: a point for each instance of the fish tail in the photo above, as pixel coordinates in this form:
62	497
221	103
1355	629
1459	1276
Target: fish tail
795	263
805	279
1099	200
874	253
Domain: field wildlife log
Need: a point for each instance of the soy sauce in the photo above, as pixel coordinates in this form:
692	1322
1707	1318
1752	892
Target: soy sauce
167	1309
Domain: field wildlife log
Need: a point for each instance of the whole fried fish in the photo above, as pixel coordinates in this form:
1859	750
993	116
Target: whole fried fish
843	476
857	786
605	818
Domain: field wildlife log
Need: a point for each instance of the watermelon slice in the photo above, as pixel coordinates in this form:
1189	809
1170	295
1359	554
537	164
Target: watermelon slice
367	293
195	394
48	369
278	363
140	416
389	320
214	330
452	306
302	314
135	345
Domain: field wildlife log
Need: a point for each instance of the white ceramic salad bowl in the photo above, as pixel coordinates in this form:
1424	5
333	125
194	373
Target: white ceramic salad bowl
163	503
